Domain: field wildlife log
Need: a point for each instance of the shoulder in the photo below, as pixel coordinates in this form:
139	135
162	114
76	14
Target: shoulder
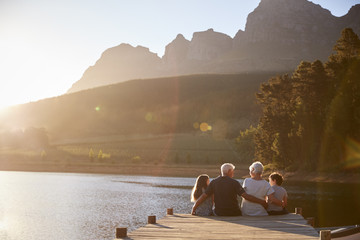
215	179
247	180
266	183
283	189
233	180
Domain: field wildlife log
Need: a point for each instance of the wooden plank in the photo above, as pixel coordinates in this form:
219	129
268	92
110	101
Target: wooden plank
186	226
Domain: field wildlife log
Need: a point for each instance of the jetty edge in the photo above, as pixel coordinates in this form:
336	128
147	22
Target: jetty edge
187	226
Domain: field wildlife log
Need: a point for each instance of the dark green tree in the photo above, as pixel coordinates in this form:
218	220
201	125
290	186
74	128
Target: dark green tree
272	138
308	118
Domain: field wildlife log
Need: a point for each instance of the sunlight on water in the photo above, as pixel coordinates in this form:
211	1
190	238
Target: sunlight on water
75	206
2	225
89	206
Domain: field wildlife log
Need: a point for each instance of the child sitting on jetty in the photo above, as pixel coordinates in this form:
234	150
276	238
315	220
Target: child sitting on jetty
205	208
275	180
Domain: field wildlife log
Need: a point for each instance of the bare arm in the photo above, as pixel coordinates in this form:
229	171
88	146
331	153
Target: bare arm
198	202
255	199
274	200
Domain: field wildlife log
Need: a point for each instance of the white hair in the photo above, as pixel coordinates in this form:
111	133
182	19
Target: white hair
226	167
256	167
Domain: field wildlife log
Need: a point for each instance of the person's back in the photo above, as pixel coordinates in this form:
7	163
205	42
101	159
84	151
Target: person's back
205	208
275	180
259	189
280	193
225	190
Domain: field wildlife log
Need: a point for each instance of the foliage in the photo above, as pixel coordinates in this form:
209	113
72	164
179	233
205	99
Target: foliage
245	144
166	149
309	117
91	154
100	154
31	137
43	155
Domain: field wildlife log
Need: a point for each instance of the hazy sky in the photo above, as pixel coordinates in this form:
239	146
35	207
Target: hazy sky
46	45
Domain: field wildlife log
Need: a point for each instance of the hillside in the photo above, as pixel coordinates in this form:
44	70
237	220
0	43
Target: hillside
278	35
142	107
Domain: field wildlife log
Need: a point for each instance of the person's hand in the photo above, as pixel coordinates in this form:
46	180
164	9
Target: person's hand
264	204
283	204
192	211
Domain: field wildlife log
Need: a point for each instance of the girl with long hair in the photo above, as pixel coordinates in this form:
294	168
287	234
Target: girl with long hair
205	209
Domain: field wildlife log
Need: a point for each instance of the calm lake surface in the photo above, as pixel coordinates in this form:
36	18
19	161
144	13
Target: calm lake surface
88	206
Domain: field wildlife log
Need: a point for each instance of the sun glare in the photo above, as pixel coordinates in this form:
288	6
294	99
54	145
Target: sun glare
11	98
2	225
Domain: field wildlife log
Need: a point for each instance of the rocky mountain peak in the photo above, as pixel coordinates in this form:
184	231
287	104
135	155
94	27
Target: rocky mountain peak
120	63
278	35
289	28
352	19
176	51
209	45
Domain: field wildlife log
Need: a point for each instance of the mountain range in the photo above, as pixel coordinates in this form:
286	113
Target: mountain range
278	35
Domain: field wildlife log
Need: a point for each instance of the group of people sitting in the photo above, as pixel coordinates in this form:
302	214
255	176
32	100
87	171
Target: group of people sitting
219	197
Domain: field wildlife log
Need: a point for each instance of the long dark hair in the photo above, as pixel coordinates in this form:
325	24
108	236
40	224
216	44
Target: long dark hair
199	187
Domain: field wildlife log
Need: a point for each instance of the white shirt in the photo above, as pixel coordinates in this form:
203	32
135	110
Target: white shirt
259	189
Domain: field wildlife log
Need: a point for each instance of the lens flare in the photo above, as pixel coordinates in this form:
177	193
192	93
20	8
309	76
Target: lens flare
97	108
196	125
149	117
352	150
204	127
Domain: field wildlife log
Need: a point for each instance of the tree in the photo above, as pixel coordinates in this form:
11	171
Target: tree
343	121
308	118
36	137
246	145
348	45
43	155
276	122
100	154
91	154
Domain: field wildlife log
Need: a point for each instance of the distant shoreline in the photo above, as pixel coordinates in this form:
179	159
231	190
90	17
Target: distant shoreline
191	171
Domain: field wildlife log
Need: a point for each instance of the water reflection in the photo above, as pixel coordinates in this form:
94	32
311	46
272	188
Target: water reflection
79	206
83	206
332	204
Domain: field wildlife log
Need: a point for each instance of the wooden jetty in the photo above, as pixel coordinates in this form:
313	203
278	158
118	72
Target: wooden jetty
186	226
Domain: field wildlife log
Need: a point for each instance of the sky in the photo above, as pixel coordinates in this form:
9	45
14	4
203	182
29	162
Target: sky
46	45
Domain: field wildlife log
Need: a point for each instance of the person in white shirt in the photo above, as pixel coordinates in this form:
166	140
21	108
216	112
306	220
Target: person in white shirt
259	188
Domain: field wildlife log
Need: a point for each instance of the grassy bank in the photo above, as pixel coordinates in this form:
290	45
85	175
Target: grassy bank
185	155
182	155
160	169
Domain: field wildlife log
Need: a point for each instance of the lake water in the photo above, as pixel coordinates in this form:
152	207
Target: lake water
88	206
